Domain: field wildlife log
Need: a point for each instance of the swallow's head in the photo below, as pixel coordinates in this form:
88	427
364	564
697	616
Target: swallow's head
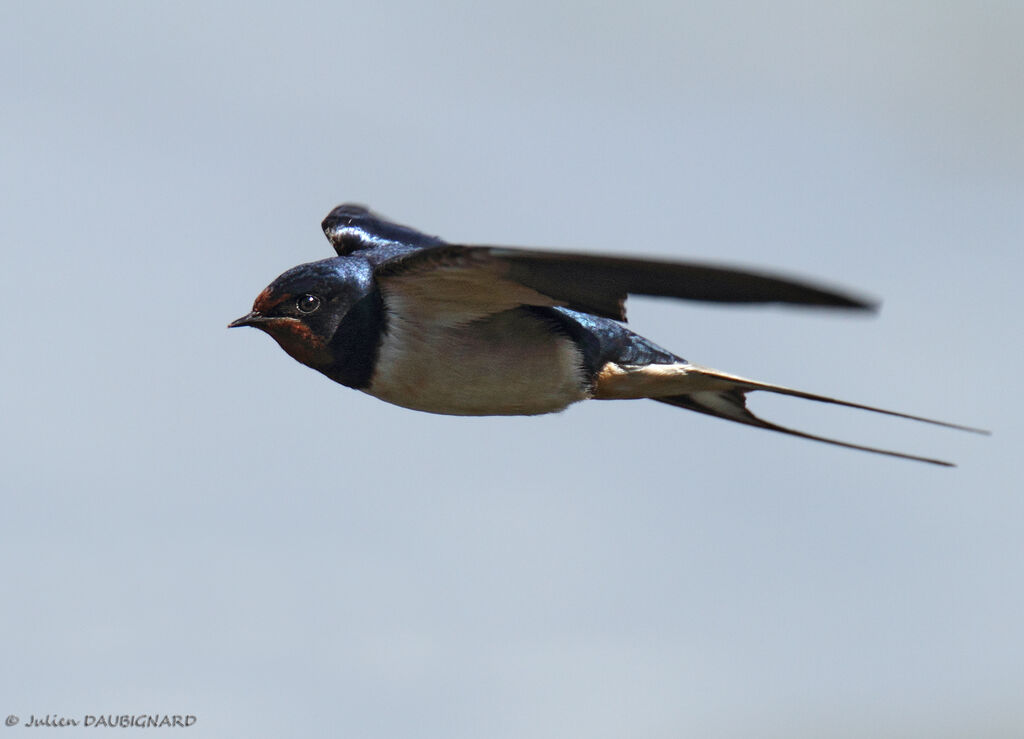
304	307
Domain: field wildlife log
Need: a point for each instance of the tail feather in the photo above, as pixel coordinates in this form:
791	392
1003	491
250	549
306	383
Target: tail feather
702	403
745	385
724	395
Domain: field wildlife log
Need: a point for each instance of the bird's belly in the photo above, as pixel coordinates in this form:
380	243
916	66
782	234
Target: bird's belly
511	363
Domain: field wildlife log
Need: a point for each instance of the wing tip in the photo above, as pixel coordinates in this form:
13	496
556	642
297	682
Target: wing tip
335	224
845	301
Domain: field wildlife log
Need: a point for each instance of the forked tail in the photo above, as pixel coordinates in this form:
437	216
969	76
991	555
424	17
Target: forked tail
724	395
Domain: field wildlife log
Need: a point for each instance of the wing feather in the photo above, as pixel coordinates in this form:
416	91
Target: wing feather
454	284
596	284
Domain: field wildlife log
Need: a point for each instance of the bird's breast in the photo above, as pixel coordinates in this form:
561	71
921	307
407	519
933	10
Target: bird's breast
510	363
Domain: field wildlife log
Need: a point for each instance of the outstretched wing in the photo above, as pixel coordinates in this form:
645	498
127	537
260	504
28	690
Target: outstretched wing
492	276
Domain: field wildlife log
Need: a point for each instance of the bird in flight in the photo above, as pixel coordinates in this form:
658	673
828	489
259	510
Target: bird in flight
487	330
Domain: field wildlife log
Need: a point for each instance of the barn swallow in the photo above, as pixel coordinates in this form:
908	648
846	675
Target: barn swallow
485	330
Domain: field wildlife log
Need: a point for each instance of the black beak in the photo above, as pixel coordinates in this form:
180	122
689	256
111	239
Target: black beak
252	318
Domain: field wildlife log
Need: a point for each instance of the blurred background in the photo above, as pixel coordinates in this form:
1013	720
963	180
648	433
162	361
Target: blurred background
195	524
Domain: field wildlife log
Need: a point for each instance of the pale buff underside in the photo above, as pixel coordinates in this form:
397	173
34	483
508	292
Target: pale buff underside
618	382
505	364
445	351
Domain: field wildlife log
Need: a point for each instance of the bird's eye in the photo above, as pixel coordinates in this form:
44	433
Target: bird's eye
307	303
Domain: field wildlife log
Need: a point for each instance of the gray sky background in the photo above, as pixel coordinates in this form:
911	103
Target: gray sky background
194	523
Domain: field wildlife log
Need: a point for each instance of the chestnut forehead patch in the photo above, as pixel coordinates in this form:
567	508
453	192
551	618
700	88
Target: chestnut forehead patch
268	299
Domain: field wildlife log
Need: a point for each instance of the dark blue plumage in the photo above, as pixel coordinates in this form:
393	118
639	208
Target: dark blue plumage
353	228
